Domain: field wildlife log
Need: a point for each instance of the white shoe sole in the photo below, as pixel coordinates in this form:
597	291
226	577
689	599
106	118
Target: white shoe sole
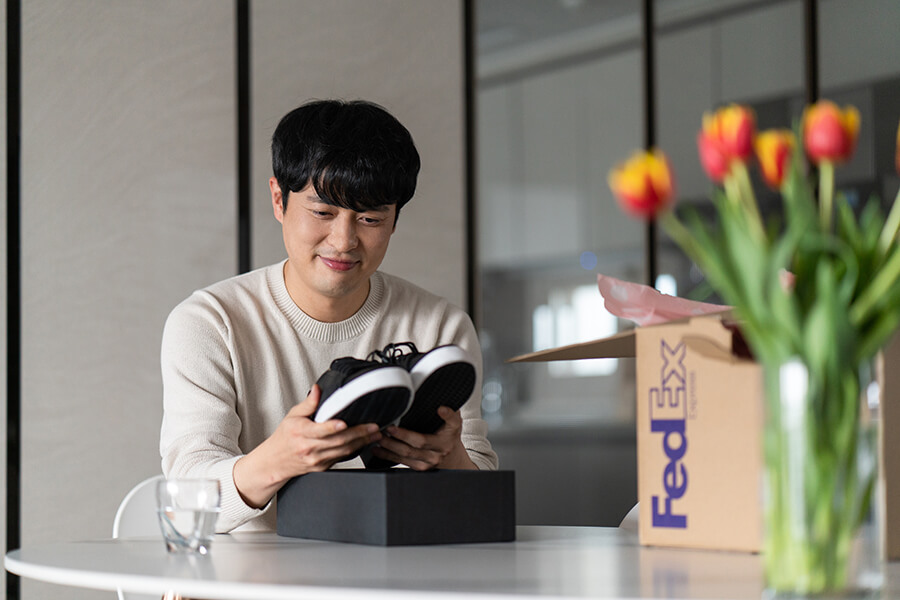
434	360
379	379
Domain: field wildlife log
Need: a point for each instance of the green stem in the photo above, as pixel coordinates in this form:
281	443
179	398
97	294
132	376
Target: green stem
889	233
748	199
826	193
885	278
732	189
816	492
679	233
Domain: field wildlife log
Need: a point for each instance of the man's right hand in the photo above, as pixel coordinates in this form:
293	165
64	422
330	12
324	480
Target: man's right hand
298	446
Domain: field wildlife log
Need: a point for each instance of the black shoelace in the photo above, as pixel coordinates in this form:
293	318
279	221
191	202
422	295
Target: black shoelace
392	352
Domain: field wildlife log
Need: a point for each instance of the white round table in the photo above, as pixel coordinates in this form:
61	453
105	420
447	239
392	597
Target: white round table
544	562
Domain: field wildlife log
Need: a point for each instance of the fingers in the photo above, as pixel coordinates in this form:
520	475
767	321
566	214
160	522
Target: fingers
404	454
308	406
452	418
449	431
324	443
326	456
422	451
305	409
319	449
363	434
408	437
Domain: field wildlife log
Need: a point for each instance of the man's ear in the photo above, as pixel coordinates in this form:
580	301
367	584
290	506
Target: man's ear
277	199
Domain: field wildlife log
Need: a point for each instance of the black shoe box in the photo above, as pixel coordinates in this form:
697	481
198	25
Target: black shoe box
399	507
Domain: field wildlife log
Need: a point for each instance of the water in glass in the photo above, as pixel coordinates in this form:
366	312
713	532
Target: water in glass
187	511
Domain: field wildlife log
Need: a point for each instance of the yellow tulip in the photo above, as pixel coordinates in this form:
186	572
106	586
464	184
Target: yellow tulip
726	136
643	185
774	149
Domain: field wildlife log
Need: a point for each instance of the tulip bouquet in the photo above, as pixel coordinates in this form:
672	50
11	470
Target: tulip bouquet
816	287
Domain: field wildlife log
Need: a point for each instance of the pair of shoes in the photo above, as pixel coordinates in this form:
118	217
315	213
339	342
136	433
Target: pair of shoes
397	385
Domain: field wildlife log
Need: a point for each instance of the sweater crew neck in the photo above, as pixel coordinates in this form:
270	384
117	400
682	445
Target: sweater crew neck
321	331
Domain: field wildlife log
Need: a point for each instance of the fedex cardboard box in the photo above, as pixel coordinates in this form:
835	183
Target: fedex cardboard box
699	433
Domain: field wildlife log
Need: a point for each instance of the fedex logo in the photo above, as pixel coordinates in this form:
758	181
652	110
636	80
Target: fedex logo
668	414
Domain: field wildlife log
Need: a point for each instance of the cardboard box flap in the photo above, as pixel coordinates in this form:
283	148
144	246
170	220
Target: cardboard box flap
620	345
707	348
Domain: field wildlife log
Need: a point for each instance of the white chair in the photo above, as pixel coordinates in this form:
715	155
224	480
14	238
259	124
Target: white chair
137	512
136	517
630	522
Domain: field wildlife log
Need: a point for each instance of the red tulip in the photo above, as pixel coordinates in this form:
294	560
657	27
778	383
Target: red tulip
774	149
727	136
829	133
643	184
714	160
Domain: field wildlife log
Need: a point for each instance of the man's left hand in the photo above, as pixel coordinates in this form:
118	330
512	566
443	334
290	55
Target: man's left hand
442	449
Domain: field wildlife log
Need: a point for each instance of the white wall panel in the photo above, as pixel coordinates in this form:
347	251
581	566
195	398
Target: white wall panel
546	145
500	219
406	55
858	41
553	178
614	129
129	190
762	53
685	55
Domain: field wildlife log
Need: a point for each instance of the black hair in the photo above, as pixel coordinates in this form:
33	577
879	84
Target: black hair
355	154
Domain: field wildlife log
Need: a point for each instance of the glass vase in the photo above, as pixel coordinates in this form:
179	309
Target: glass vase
820	444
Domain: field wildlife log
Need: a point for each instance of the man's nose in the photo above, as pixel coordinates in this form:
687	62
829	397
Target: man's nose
343	234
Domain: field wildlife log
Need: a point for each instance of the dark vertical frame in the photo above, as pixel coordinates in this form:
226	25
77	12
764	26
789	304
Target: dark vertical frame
244	174
13	285
811	49
811	55
649	84
470	166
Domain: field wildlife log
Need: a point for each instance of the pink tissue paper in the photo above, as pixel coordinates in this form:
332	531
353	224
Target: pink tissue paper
647	306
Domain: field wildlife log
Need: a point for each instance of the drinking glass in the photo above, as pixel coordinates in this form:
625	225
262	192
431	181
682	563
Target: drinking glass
187	510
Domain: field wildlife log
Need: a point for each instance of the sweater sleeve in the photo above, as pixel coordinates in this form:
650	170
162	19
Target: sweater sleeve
200	431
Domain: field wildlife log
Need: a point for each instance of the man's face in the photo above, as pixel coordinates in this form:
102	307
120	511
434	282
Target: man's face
332	251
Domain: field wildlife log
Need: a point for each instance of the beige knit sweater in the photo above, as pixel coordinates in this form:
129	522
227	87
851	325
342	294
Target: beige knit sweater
237	355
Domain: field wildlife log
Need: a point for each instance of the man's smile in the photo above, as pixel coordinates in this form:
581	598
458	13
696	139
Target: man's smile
339	264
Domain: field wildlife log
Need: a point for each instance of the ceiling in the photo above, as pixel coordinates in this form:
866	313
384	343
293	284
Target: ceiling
504	24
512	35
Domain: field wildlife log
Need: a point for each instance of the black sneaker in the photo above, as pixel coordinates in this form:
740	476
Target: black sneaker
444	376
362	391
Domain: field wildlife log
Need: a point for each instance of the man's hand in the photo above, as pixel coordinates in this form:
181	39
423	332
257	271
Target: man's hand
298	446
443	449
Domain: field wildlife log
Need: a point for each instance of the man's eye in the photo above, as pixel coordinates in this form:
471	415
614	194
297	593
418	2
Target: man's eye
370	220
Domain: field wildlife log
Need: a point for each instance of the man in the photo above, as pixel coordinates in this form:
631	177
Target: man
239	357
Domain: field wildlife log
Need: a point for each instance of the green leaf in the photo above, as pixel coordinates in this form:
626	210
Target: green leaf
848	229
876	335
871	222
783	302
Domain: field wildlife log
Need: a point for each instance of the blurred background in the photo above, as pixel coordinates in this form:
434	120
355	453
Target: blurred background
136	166
560	101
